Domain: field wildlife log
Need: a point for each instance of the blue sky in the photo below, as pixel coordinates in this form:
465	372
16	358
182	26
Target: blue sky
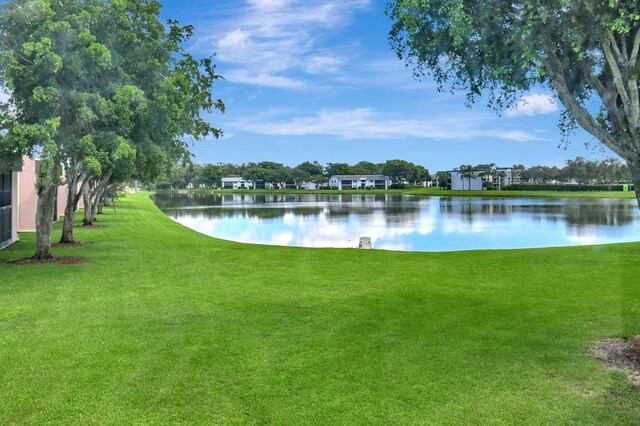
317	80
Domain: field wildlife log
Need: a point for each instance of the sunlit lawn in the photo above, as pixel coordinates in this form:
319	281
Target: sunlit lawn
164	325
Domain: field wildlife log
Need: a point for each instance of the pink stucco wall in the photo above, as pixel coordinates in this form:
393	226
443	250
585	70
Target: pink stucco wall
14	204
27	196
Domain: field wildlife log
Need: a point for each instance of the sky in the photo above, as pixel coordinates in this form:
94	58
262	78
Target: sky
312	80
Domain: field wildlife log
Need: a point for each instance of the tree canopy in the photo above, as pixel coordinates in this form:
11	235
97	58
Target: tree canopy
587	51
104	88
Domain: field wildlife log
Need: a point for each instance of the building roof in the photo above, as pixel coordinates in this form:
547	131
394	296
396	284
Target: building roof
230	178
459	171
357	177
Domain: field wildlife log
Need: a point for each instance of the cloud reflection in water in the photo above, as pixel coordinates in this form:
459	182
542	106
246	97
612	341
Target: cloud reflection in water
404	223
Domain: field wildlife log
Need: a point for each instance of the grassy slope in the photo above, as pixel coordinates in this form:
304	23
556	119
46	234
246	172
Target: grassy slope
164	325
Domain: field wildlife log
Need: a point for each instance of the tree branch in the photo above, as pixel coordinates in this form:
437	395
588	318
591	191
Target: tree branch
583	117
618	80
633	81
620	58
608	96
633	58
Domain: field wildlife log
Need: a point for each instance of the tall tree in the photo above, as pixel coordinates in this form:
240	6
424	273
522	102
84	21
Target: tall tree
367	168
106	82
398	170
211	174
338	169
588	51
467	172
312	169
420	174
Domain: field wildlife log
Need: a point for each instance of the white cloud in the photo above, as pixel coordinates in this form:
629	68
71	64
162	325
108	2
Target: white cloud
323	64
235	40
263	79
518	136
533	104
367	123
280	37
268	4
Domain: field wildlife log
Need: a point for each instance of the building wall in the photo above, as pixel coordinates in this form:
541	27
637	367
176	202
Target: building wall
358	183
27	196
235	183
458	184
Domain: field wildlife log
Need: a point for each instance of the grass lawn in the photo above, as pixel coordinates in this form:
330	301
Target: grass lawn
164	325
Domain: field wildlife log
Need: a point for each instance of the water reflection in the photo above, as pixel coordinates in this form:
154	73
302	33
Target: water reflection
397	222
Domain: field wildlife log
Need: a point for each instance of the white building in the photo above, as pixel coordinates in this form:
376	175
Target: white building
359	182
235	182
464	183
506	176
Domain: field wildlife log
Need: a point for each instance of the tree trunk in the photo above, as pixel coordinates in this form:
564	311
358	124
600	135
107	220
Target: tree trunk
44	222
73	197
94	206
634	167
86	198
100	191
67	224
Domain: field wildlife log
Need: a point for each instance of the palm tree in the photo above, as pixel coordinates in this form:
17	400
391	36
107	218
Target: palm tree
467	171
500	175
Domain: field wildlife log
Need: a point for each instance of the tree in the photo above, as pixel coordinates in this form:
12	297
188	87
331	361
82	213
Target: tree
587	51
398	170
367	168
257	174
211	174
444	179
338	169
320	180
103	88
299	177
312	169
467	172
420	174
489	170
576	170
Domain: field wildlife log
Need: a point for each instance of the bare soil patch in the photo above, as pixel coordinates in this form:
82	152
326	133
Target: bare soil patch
620	354
76	244
61	260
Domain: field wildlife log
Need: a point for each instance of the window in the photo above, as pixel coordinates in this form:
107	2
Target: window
5	209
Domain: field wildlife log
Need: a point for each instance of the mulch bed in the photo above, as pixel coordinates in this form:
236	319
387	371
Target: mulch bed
620	354
61	260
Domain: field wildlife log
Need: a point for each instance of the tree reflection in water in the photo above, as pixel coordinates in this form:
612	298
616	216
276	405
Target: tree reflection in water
404	223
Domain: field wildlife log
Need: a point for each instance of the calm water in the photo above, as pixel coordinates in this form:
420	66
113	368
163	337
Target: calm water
405	223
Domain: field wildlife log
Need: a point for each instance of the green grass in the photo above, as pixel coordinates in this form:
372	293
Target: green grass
519	194
164	325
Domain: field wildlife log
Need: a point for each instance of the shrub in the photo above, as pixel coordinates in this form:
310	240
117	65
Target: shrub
563	187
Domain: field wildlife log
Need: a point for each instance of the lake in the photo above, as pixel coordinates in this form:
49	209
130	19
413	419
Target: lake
406	223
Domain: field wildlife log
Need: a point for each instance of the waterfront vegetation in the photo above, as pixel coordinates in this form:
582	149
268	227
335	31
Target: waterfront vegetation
164	325
432	191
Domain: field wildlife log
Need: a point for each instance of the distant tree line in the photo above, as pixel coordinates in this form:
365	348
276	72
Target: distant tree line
581	171
577	171
210	175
